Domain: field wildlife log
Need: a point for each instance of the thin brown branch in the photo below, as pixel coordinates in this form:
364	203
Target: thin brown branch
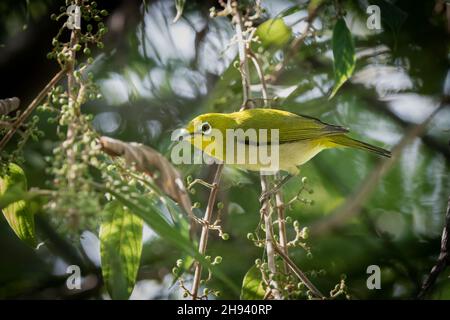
205	229
443	261
278	197
303	278
279	203
265	210
266	214
243	65
36	101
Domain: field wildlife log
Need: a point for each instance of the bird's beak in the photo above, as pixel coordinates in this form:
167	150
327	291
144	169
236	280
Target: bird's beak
181	135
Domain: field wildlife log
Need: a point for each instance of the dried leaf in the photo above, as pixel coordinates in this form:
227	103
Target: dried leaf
9	105
150	161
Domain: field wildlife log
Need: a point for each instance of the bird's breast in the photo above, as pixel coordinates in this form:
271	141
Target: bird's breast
264	157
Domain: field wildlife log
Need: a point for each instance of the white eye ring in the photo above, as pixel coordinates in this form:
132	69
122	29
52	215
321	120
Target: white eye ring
205	128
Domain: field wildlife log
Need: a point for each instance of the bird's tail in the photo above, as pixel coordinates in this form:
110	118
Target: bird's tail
345	141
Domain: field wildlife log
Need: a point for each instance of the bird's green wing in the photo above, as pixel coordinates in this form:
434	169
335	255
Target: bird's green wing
292	127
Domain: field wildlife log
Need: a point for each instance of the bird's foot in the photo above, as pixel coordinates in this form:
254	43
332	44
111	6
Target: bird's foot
265	196
200	221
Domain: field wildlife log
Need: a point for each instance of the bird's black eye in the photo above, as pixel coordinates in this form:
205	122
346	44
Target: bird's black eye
206	128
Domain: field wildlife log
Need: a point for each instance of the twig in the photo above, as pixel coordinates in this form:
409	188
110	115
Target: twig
443	260
21	119
266	213
279	202
5	124
205	229
265	205
243	61
278	196
298	272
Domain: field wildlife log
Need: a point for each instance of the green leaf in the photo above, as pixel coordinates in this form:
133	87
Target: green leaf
252	285
344	55
13	186
274	33
392	16
120	249
179	5
288	11
147	207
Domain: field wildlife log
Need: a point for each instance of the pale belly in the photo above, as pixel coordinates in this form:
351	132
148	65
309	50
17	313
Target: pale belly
286	157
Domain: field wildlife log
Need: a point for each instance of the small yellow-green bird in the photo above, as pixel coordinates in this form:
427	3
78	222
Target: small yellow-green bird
299	139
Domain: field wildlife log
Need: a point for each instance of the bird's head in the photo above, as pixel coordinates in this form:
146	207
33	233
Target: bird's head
208	127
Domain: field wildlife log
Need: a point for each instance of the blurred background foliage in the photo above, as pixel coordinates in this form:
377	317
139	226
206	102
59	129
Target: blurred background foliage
156	75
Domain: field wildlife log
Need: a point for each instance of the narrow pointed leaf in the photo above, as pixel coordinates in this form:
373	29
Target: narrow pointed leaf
344	55
120	249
